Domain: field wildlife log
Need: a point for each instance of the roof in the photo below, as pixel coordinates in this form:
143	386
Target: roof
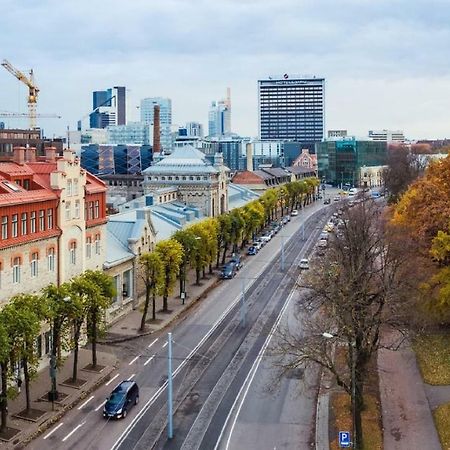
116	252
277	172
239	196
247	177
264	175
300	170
184	160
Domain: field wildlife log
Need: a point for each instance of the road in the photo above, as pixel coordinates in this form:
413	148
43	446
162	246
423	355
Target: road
214	349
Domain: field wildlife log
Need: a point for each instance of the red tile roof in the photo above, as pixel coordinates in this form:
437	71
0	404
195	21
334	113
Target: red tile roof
247	177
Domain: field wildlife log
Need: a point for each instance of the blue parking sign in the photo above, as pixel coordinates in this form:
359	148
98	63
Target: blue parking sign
344	439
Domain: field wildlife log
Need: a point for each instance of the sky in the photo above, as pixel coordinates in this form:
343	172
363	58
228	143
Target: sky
385	62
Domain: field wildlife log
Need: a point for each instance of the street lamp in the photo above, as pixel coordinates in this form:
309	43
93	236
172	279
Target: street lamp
328	335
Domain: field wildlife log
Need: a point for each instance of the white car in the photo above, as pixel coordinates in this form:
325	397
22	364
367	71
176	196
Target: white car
294	212
304	264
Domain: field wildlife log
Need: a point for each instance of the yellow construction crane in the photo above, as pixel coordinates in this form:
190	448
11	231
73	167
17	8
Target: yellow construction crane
33	90
14	115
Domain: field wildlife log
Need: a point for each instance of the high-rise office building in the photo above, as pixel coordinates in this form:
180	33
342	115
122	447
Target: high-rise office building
165	116
219	117
387	135
109	107
291	108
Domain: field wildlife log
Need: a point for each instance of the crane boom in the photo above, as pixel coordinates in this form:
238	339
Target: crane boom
14	115
33	90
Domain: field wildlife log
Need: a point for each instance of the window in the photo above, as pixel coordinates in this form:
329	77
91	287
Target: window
69	188
16	270
68	211
33	222
34	264
14	229
77	209
51	259
88	247
41	220
72	252
75	186
23	230
97	209
91	210
97	244
5	227
127	284
49	219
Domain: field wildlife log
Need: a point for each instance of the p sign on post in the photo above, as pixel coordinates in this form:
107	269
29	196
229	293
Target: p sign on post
344	439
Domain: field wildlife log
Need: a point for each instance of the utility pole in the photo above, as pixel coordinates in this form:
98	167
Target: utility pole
169	388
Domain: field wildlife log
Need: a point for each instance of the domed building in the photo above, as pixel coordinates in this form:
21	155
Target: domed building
199	182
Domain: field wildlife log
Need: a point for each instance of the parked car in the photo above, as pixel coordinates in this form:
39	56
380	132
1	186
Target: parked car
324	235
294	212
228	271
286	219
323	243
266	238
236	260
258	245
252	251
304	264
122	398
337	198
327	201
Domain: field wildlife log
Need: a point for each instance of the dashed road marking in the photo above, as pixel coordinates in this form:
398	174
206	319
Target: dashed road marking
164	345
99	406
148	360
73	431
133	360
54	429
131	376
86	402
112	379
149	345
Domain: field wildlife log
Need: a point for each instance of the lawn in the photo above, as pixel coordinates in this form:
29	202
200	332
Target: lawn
433	356
442	420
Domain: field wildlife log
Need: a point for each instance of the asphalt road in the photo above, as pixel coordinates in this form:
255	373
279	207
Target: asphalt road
214	350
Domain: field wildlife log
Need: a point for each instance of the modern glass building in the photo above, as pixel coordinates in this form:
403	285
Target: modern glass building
132	133
109	107
291	108
165	116
340	160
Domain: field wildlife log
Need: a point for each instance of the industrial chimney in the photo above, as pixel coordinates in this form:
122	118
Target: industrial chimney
156	130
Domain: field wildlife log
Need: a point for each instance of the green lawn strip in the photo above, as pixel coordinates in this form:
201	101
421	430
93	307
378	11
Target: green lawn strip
433	356
442	421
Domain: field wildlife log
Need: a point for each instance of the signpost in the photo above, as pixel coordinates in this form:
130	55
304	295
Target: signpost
344	439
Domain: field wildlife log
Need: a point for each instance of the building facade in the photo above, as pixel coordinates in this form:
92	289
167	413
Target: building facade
165	116
136	133
387	135
219	117
291	108
14	137
108	107
199	182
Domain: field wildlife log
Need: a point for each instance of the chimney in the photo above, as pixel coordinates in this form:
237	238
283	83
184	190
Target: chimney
31	154
50	154
156	130
249	152
19	155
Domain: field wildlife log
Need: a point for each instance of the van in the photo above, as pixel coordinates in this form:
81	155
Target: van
122	398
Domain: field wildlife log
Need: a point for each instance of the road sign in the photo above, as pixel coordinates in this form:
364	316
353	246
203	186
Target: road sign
344	439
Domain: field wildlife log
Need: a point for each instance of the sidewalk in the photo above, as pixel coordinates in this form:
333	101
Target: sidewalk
23	430
407	417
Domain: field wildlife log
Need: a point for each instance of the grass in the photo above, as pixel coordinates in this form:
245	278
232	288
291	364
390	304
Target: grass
433	356
373	437
442	421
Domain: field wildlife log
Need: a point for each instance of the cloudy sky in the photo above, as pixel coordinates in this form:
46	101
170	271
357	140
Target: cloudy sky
385	62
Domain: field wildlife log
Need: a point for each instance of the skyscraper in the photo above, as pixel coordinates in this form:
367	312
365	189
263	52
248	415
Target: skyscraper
291	108
219	117
147	112
109	107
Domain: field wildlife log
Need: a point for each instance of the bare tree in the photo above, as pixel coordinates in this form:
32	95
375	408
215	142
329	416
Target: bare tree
359	289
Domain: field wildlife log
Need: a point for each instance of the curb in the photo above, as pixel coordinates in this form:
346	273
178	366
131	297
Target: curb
46	424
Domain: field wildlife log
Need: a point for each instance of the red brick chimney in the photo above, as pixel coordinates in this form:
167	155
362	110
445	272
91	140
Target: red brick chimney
30	154
50	154
156	130
19	155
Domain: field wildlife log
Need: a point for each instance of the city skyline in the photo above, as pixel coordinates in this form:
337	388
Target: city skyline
365	51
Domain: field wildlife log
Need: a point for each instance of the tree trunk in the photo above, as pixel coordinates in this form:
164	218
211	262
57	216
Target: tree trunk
358	405
147	301
225	249
76	339
4	398
197	276
94	338
154	305
203	272
219	246
26	376
210	269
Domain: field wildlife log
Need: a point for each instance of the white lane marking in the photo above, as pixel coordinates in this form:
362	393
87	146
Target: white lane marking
112	379
250	376
133	360
152	399
54	429
86	402
148	360
131	376
99	406
165	345
73	431
149	345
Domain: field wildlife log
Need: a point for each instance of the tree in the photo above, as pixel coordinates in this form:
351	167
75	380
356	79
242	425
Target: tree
171	253
200	251
223	236
187	239
4	362
237	228
364	286
151	271
27	313
212	229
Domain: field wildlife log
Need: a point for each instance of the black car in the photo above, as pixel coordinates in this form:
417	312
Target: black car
228	271
252	251
236	260
327	201
122	398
